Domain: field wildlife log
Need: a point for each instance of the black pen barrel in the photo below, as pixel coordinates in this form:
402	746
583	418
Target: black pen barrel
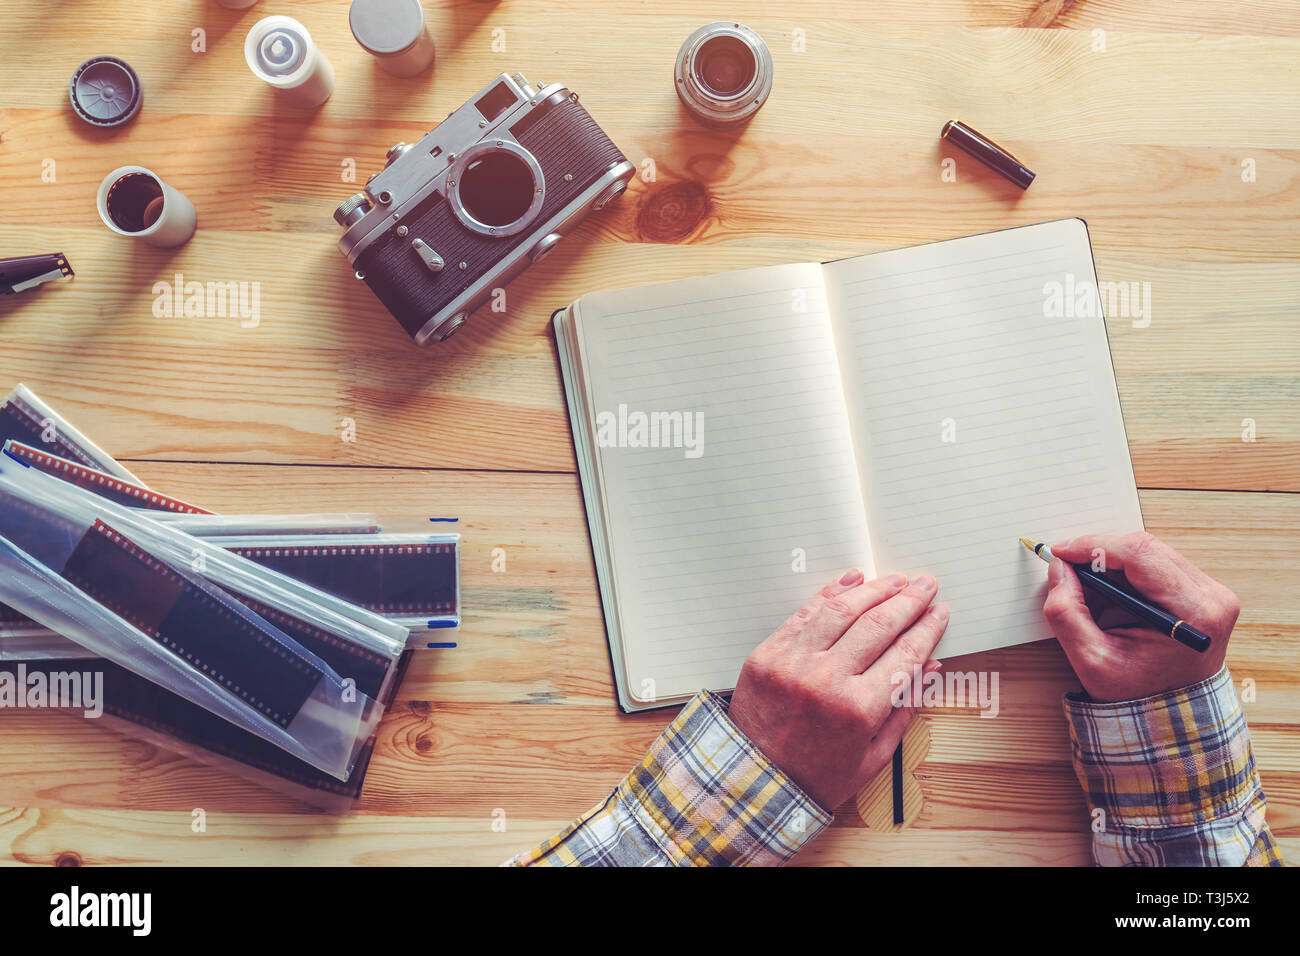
1157	617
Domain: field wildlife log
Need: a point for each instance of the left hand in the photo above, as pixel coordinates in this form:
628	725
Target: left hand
817	697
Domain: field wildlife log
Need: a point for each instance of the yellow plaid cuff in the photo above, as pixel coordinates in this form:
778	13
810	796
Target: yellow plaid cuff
702	796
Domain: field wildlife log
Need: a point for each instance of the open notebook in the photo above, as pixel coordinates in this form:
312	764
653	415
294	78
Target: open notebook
744	438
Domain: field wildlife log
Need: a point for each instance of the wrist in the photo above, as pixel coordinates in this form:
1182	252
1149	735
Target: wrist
754	735
1107	689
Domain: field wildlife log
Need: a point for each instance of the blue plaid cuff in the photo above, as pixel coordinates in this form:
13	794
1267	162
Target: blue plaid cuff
1174	778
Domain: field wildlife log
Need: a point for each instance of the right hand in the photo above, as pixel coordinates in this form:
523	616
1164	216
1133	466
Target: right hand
1115	658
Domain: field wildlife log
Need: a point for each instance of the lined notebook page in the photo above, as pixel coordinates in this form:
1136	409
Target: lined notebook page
703	549
978	419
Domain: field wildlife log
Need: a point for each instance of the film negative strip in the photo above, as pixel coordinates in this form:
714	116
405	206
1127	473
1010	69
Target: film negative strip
399	576
107	486
9	618
213	739
25	418
83	476
412	579
20	273
21	422
369	670
193	623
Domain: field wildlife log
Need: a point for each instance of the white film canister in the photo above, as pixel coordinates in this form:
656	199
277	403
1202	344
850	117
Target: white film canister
134	202
280	51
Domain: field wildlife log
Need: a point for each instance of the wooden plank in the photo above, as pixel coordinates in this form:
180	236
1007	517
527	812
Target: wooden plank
1183	77
285	390
532	659
91	837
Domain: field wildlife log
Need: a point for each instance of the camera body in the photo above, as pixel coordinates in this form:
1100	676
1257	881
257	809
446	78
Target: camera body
485	194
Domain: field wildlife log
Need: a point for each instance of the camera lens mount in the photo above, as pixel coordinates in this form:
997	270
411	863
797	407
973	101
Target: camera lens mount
496	188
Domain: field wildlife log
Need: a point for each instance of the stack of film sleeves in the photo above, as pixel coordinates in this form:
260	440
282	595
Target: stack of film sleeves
267	644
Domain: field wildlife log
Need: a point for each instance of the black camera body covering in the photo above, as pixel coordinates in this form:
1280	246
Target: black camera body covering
491	190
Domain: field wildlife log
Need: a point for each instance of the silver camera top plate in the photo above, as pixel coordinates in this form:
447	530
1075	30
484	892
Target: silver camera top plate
425	167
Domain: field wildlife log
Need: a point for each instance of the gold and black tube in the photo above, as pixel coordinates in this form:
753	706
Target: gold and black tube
987	152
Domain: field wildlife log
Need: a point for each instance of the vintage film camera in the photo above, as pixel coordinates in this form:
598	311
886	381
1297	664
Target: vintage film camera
489	191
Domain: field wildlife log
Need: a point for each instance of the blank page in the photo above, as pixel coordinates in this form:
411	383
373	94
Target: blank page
710	553
978	418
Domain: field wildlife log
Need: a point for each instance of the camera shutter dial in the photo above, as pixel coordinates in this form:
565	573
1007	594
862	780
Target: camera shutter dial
394	153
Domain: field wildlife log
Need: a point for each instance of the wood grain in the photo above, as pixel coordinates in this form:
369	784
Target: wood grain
1145	139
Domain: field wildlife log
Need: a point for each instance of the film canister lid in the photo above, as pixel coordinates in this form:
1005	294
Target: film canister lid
105	91
394	32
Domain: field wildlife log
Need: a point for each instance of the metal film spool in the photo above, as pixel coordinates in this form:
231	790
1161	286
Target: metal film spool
394	33
723	73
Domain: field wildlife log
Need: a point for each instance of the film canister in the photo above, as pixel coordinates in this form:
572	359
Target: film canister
105	91
134	202
280	51
394	33
987	152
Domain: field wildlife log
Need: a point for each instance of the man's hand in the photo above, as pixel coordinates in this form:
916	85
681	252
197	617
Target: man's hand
817	696
1115	657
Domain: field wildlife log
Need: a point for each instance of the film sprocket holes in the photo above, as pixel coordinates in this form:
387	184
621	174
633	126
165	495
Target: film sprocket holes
486	193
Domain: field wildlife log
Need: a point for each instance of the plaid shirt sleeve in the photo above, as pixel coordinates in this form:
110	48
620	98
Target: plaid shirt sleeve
702	796
1175	778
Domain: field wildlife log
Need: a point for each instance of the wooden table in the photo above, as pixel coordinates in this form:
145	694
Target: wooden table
1141	117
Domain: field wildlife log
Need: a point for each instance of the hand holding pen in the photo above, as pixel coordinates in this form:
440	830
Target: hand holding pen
1116	655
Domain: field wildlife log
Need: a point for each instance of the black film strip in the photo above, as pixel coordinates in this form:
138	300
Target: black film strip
106	486
412	579
192	623
21	422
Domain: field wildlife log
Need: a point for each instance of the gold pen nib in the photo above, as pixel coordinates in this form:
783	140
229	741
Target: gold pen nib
1039	549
